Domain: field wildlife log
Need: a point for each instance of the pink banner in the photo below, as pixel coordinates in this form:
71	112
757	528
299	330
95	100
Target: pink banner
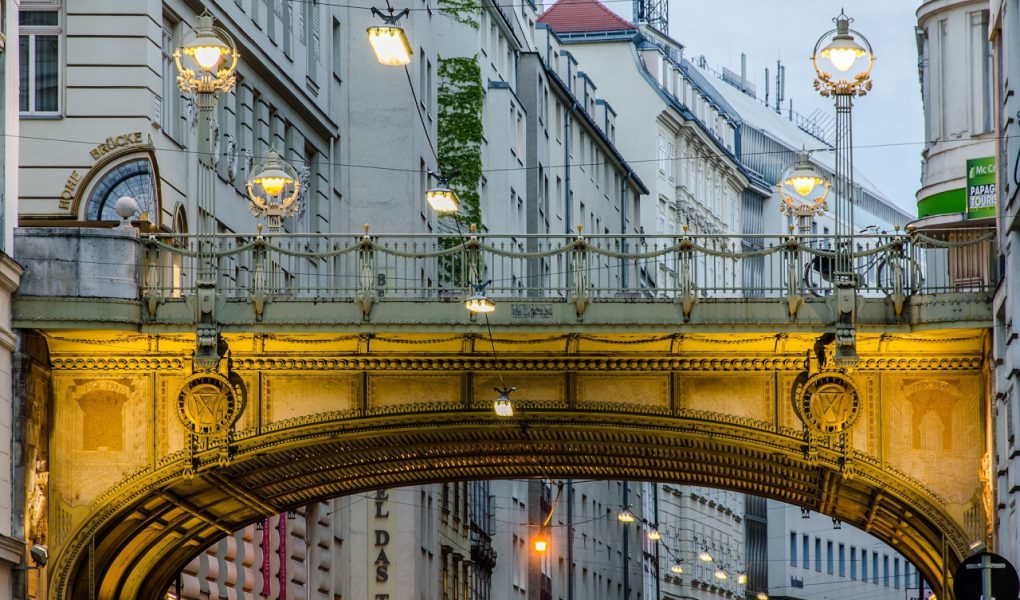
283	556
266	567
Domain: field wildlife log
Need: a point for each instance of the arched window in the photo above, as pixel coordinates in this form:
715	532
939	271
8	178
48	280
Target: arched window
133	178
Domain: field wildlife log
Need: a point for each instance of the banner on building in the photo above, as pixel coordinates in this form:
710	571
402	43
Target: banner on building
381	584
981	188
917	594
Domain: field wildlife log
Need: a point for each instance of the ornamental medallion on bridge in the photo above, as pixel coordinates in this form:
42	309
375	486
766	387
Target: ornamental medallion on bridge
828	402
209	403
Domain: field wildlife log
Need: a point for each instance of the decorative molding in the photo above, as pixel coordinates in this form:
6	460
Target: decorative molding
123	363
552	363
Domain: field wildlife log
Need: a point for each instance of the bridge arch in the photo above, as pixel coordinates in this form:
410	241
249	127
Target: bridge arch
660	412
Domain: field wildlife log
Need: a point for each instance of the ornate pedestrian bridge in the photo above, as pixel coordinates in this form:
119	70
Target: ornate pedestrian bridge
182	387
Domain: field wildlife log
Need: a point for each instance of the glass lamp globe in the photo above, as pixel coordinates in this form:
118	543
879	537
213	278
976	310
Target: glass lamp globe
804	178
274	182
206	59
843	51
842	59
677	567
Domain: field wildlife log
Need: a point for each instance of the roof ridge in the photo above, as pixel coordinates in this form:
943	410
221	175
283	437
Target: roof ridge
568	16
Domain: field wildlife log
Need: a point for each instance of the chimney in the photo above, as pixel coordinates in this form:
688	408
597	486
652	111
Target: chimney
743	72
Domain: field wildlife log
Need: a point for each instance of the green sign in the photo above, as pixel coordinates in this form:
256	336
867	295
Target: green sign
981	192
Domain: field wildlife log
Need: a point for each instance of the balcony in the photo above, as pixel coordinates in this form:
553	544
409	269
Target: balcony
120	279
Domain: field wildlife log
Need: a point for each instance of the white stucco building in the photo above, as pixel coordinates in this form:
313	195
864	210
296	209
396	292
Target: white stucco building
956	70
812	555
684	143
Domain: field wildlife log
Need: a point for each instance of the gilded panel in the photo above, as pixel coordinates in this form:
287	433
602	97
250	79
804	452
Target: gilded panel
935	432
171	436
737	395
101	434
296	395
393	393
645	393
537	391
787	415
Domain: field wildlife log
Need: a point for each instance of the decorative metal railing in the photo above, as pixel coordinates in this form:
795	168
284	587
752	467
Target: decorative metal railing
595	268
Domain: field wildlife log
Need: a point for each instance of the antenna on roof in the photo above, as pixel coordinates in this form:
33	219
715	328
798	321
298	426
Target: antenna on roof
653	12
780	86
767	86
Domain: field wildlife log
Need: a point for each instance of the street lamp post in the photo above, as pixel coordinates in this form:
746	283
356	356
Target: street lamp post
206	60
842	60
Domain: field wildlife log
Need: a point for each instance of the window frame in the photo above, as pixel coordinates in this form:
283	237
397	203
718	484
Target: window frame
32	32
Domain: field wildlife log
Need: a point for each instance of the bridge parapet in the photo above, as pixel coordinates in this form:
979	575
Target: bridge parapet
701	280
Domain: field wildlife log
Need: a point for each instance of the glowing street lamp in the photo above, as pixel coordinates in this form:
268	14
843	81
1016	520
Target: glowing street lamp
677	567
389	42
803	192
273	190
721	575
503	405
654	534
479	303
625	516
704	555
842	60
206	59
441	198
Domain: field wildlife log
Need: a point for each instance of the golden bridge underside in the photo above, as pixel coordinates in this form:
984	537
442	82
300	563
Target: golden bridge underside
133	495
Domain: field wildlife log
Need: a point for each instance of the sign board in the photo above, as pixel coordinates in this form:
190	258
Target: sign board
916	594
982	195
1003	581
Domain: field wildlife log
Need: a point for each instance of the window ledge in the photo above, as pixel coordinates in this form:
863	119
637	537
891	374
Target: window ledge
42	116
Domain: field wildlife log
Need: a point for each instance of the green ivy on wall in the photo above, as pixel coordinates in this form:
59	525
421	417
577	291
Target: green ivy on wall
462	11
460	130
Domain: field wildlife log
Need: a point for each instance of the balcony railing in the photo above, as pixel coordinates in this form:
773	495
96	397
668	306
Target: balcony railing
329	267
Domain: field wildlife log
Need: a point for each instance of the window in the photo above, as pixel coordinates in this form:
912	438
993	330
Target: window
171	107
842	560
828	555
662	154
671	157
980	57
313	39
896	573
805	560
288	27
39	61
133	179
793	549
337	47
885	570
853	562
818	555
864	565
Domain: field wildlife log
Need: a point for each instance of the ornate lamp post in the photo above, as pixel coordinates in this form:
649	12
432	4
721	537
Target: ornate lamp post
273	191
803	192
206	60
843	59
